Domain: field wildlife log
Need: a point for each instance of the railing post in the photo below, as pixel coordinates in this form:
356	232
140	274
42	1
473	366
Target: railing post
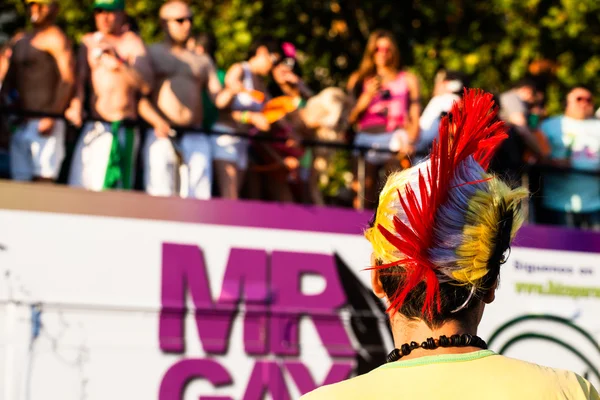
361	176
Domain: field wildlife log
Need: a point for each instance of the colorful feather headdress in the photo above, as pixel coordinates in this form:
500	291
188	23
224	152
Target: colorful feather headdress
443	220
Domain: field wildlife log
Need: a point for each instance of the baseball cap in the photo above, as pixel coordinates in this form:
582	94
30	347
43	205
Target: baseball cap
110	5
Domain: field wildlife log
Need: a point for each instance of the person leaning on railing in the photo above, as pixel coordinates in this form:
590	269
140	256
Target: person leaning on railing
387	108
40	78
113	63
570	198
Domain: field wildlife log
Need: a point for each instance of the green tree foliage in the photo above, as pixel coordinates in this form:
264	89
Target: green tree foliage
493	41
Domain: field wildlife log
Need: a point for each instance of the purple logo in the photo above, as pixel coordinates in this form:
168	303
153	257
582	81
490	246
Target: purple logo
269	286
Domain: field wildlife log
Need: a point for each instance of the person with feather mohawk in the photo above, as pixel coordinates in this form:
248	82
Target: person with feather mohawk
440	234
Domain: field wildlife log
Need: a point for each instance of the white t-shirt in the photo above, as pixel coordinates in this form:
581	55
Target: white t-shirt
571	191
429	122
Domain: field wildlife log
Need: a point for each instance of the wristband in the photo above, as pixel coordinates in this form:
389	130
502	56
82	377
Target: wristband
245	117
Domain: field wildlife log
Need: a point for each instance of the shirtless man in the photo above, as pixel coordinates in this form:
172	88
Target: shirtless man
181	77
114	64
40	78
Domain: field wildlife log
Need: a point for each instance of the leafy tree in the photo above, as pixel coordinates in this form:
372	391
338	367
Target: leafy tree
495	42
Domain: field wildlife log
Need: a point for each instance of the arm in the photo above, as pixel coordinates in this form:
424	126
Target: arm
220	98
74	112
10	79
365	98
233	85
145	108
138	68
148	112
63	54
414	108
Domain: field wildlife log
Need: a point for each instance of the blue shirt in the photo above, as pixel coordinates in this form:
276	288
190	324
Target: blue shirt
581	139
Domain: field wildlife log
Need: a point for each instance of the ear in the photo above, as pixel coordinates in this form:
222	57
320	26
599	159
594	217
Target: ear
376	284
375	281
490	295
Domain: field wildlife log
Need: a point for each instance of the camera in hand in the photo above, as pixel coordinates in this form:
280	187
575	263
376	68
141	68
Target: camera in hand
386	94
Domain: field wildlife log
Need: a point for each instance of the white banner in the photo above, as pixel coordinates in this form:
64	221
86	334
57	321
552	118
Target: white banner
101	307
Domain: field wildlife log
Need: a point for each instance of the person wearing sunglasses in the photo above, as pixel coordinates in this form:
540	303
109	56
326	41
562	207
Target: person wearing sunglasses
572	198
40	78
113	63
387	109
182	75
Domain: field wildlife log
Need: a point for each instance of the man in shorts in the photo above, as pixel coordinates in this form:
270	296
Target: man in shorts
114	63
182	75
40	78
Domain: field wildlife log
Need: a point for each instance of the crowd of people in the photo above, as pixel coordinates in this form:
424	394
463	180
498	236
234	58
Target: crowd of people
208	132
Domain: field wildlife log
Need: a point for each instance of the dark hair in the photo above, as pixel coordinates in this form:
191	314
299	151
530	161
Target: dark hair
526	82
452	296
208	41
273	46
586	87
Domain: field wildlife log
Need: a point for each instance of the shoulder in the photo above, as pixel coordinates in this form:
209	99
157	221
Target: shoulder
337	391
551	123
545	379
133	41
157	49
410	77
204	60
235	70
352	81
356	388
55	33
56	39
87	38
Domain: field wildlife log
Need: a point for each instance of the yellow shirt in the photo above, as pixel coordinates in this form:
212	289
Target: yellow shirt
478	375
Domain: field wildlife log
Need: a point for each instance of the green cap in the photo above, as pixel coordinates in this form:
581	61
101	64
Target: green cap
110	5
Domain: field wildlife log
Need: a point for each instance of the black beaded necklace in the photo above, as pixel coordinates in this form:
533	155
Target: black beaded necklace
463	340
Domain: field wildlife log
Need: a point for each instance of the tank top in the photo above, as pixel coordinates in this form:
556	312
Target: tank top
389	107
244	101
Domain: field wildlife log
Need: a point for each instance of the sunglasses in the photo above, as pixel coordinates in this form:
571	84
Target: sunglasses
385	50
181	20
288	62
587	100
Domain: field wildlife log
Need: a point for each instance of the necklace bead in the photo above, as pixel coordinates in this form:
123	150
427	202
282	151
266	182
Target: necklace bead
463	340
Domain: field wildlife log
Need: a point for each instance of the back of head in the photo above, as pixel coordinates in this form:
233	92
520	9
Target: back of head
527	83
455	82
442	227
208	42
272	45
328	111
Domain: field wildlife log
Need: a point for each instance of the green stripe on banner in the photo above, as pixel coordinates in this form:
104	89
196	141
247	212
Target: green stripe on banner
120	159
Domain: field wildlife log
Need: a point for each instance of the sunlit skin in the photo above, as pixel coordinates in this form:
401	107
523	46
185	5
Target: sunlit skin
42	67
580	104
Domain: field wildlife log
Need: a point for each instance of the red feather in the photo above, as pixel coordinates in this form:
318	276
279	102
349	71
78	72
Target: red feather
472	131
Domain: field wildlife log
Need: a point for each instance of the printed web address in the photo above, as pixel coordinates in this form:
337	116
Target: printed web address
557	289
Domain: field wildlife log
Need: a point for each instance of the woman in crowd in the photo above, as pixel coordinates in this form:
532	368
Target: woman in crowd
387	108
